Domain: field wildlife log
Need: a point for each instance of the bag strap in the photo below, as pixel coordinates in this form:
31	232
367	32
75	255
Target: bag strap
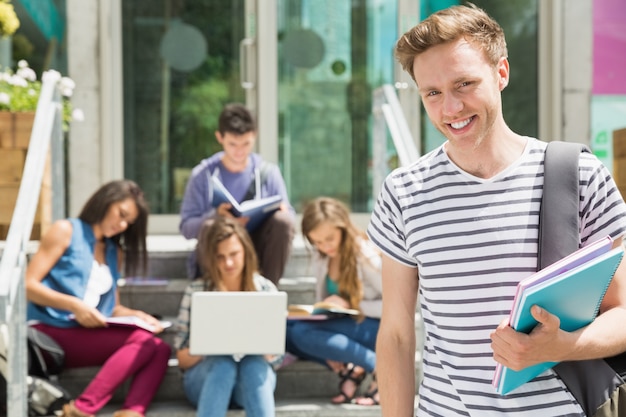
264	170
588	381
558	215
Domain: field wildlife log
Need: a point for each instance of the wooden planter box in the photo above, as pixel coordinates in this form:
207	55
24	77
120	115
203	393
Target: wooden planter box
15	130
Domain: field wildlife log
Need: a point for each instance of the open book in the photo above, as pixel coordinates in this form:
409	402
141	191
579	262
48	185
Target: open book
134	321
571	289
257	210
318	311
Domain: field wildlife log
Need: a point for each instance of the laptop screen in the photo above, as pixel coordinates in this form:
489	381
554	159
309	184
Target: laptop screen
237	323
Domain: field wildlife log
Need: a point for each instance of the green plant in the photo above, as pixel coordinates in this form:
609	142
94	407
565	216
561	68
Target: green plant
19	91
8	19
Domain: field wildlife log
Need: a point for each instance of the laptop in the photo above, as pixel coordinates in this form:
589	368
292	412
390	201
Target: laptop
237	323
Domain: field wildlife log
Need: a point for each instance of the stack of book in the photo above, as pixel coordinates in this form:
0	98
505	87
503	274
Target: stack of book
572	289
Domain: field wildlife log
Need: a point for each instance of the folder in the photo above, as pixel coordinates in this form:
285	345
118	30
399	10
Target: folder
572	289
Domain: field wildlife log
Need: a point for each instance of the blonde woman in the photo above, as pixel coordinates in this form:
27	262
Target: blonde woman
348	271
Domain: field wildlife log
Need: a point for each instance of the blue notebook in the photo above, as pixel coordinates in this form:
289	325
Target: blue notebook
574	296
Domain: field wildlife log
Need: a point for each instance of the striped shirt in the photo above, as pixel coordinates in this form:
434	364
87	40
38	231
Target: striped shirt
472	240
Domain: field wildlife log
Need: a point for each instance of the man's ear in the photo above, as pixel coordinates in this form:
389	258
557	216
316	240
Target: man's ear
503	73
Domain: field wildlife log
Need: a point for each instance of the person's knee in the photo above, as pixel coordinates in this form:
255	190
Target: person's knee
150	345
224	366
281	223
255	370
164	350
296	334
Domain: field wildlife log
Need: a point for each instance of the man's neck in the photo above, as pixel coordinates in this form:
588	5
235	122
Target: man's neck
233	166
488	160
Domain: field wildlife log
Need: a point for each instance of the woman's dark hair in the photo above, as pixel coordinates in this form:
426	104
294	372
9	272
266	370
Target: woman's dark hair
132	240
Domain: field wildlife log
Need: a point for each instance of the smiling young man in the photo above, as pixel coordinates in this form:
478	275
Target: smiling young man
460	226
246	176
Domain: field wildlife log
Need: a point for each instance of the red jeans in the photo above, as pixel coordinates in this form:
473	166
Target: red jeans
123	353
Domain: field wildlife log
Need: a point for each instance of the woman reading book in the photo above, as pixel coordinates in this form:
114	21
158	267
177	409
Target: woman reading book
213	384
348	272
71	286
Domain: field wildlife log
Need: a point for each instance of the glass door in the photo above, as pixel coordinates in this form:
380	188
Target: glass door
307	68
332	54
182	61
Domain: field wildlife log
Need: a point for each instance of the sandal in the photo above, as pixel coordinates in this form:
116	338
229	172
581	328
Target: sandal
371	397
349	373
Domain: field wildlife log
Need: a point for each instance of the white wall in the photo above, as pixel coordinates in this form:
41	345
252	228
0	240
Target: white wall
85	162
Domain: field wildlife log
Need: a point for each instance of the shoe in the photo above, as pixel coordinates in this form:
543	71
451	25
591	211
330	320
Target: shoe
127	413
349	373
371	396
70	410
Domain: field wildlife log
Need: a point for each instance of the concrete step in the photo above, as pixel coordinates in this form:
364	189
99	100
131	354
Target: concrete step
301	379
303	407
168	257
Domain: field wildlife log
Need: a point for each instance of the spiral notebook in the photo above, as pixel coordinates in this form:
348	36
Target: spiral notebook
573	295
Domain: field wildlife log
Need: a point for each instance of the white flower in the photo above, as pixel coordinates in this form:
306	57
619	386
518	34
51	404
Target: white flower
18	81
5	98
67	86
78	115
27	74
22	63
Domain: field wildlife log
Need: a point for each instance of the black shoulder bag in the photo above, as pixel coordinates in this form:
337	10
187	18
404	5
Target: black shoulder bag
45	361
598	384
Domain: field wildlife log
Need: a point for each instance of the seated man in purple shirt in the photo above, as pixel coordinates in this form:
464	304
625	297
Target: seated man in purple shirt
246	176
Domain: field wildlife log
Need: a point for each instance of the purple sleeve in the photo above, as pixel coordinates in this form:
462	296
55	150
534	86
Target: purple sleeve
275	185
196	206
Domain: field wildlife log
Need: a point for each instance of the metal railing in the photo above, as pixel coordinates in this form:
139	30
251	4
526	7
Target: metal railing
46	130
388	115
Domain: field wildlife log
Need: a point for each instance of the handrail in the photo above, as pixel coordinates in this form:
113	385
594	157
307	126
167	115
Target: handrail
13	261
388	114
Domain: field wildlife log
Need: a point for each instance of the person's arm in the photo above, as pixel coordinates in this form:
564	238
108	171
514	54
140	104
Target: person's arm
604	337
122	311
187	360
51	247
395	344
371	275
275	185
196	205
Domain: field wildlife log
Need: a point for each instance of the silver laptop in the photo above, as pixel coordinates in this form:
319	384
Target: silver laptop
237	323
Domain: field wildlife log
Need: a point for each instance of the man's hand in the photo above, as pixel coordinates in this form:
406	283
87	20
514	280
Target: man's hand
224	211
517	350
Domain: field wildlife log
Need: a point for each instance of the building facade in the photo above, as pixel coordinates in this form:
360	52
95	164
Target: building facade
151	77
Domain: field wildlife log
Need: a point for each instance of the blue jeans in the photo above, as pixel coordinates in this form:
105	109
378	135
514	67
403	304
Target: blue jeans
338	339
213	383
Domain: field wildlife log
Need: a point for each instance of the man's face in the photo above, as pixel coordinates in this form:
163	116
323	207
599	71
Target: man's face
237	148
460	90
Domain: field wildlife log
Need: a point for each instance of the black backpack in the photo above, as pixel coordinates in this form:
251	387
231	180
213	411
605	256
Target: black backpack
597	385
45	362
